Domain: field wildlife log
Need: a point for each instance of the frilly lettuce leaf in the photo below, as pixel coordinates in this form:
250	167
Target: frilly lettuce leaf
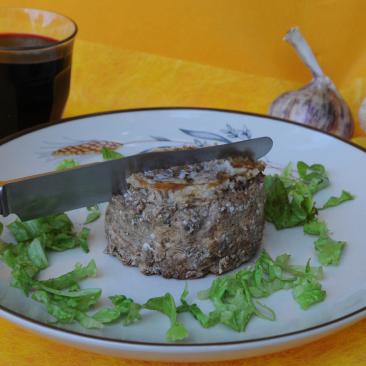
166	305
307	291
329	250
109	154
93	214
335	201
67	164
71	278
287	206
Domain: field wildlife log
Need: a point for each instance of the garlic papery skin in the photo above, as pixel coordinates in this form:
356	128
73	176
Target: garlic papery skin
362	115
317	104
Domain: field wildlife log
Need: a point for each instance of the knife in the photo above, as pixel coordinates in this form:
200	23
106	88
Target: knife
51	193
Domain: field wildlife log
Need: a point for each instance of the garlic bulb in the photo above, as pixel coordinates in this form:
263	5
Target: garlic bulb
318	103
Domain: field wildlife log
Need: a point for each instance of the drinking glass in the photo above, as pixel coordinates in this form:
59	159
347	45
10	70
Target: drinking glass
35	67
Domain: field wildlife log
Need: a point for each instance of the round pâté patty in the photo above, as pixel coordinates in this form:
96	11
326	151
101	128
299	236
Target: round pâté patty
188	221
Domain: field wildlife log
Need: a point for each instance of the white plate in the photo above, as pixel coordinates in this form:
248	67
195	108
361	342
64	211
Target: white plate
139	130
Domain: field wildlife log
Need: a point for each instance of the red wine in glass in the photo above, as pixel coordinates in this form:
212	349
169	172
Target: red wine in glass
35	91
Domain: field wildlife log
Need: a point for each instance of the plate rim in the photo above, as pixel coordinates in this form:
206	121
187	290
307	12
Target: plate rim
337	323
144	109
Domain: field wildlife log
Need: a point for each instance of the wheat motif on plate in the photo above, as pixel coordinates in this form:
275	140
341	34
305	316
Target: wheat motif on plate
87	147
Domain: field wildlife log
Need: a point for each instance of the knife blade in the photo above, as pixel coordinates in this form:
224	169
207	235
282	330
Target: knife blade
55	192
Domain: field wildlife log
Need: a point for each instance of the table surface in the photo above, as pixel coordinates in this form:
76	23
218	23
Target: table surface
108	75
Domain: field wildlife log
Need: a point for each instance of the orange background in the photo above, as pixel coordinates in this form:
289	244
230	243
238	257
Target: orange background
210	53
240	35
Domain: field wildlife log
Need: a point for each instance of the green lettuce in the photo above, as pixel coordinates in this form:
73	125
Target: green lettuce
62	296
166	305
65	311
287	206
316	227
329	250
55	232
36	254
124	308
65	301
71	278
335	201
93	214
299	270
233	302
234	296
67	164
109	154
82	299
314	176
107	315
206	321
290	202
82	239
23	268
307	291
3	247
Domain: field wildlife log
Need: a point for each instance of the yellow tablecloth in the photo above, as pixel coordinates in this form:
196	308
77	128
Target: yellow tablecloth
117	74
107	78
